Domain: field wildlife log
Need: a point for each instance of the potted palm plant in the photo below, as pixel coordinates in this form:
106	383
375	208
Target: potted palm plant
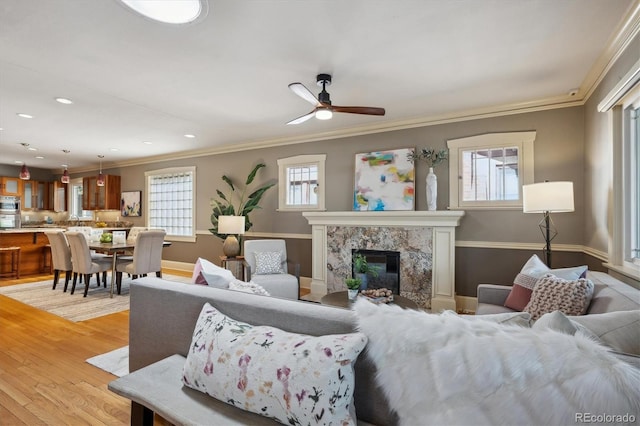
362	268
353	285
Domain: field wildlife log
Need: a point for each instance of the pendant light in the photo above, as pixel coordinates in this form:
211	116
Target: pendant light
65	175
100	181
24	173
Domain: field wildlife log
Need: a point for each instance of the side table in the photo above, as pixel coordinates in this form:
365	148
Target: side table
234	264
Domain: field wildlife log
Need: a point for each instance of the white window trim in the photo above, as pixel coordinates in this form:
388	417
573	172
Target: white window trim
301	160
622	195
191	169
524	142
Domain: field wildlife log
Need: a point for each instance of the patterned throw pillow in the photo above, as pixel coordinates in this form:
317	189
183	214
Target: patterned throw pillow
556	294
528	276
268	262
248	287
293	378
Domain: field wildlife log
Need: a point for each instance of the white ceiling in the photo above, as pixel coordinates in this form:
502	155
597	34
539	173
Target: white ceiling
225	78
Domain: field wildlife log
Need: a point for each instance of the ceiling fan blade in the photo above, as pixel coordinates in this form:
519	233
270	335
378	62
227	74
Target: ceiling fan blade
300	90
303	118
359	110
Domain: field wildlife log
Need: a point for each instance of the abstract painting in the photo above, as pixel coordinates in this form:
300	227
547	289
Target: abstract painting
130	204
384	180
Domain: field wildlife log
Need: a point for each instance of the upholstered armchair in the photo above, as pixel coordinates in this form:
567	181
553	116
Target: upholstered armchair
266	264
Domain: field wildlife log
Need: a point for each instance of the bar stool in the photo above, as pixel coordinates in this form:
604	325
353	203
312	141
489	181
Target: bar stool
47	260
15	261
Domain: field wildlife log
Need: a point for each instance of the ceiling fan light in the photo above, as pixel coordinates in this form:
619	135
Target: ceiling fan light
324	114
65	176
24	173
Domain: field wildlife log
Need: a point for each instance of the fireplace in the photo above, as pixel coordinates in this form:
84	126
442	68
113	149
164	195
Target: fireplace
425	240
387	264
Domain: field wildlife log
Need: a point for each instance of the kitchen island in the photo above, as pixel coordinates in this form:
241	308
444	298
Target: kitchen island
35	256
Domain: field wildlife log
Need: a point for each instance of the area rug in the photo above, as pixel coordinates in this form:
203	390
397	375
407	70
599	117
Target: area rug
115	362
74	307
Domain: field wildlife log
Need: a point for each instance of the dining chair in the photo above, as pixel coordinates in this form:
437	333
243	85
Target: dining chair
147	256
86	230
266	264
60	257
132	235
83	263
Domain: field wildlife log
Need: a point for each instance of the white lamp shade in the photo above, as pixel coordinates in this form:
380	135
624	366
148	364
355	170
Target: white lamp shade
231	225
547	197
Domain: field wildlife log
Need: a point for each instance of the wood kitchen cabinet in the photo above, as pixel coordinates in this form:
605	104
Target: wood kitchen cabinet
10	186
105	197
34	194
56	197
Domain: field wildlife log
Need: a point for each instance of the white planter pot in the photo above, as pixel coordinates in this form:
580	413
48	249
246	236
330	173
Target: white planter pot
352	294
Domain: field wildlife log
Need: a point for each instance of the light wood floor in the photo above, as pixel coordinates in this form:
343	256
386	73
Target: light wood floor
44	379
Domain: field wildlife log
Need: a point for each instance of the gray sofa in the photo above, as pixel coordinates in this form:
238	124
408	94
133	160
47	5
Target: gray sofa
162	319
609	295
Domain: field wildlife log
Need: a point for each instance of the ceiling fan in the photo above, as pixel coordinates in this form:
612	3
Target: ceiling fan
323	109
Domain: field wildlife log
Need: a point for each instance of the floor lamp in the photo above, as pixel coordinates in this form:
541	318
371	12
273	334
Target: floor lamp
232	226
546	198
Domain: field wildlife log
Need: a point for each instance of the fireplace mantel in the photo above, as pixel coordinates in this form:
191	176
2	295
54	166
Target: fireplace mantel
442	225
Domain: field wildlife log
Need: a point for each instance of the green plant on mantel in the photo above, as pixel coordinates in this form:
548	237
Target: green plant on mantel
353	283
429	156
223	206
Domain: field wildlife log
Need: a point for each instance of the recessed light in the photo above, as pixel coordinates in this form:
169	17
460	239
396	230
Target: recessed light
18	162
23	115
1	128
113	149
170	11
64	101
64	165
40	157
147	143
190	136
32	148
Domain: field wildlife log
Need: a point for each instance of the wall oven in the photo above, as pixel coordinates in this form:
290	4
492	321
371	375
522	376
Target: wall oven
9	205
9	212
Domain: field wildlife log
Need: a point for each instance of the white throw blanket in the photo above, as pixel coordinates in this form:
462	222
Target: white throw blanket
446	370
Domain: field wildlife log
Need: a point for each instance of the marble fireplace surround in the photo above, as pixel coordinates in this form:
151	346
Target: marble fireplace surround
425	240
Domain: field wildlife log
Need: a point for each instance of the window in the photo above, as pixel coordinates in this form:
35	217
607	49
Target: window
171	202
488	171
301	182
622	104
75	201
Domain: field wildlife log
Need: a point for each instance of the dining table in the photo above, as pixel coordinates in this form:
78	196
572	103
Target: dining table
114	249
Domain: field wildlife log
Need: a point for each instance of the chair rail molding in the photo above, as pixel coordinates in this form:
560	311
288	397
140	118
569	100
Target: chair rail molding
441	224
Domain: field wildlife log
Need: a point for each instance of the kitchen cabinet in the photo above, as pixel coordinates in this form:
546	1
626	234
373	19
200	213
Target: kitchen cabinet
34	194
105	197
10	186
56	197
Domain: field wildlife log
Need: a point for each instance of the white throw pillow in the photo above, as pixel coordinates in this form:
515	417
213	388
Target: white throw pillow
445	370
248	287
214	275
268	262
294	378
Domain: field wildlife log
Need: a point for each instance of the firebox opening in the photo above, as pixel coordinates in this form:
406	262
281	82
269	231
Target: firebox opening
388	265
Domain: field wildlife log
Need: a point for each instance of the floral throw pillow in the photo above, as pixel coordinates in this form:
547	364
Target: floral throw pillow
248	287
268	262
293	378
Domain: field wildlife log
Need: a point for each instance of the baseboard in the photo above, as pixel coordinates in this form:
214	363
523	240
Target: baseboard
466	304
179	266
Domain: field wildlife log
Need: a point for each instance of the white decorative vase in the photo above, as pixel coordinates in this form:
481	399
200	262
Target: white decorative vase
432	190
352	294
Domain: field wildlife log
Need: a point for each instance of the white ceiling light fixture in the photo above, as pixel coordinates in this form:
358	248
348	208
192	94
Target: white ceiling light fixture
324	114
190	136
174	12
64	101
23	115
